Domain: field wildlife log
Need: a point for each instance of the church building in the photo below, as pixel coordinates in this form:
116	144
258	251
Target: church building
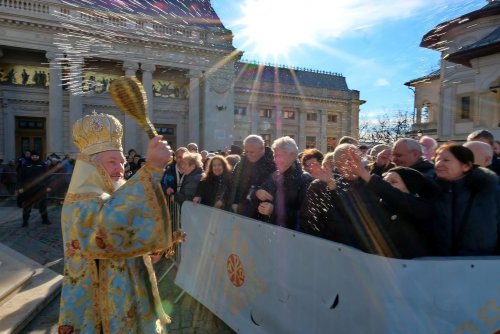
58	58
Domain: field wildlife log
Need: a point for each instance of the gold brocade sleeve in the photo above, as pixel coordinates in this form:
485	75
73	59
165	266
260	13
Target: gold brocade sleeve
132	221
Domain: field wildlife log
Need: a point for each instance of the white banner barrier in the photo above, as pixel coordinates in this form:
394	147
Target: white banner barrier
260	278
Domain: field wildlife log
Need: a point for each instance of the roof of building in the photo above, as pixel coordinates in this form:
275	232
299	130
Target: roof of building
433	37
426	78
290	76
192	12
489	44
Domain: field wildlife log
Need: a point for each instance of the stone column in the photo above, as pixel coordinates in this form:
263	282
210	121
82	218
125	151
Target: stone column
194	106
147	82
75	98
55	124
130	127
279	122
323	122
9	134
7	150
254	118
302	131
354	106
419	114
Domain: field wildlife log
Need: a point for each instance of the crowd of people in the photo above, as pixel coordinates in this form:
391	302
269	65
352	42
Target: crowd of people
410	199
405	200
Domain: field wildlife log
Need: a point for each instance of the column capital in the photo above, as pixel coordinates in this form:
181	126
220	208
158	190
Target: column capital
130	65
51	55
148	67
194	74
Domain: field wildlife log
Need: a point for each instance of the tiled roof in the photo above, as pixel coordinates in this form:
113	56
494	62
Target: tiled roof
428	77
290	76
433	37
487	45
193	12
491	38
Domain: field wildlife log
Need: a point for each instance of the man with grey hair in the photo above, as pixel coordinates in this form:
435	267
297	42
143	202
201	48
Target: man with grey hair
255	166
173	176
487	137
282	194
407	152
429	146
192	147
483	153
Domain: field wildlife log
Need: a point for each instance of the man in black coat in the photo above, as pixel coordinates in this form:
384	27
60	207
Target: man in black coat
407	152
33	178
282	194
254	168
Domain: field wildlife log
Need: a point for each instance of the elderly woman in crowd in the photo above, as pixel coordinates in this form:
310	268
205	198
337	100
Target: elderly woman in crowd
311	158
467	206
328	161
191	168
215	186
406	197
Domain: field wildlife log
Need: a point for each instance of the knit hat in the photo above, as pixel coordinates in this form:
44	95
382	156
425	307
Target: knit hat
415	182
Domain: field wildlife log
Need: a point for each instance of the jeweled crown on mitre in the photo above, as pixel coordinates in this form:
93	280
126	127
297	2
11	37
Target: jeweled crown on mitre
98	133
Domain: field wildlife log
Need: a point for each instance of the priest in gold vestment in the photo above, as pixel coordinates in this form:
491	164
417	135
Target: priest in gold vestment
110	229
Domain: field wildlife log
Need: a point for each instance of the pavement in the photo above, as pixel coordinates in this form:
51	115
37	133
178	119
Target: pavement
43	244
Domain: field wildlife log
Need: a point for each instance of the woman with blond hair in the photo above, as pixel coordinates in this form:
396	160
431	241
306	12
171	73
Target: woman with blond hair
191	168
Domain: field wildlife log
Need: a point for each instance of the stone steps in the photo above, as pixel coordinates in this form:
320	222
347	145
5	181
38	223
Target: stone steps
26	287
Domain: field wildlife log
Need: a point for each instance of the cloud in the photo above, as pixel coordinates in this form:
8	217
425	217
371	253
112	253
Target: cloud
290	22
382	82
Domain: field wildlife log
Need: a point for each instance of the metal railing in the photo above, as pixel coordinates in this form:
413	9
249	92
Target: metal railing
175	217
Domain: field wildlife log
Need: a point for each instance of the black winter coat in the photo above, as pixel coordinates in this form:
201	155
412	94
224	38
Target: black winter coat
361	220
409	218
295	184
468	218
33	178
247	177
215	189
318	215
188	187
425	167
393	223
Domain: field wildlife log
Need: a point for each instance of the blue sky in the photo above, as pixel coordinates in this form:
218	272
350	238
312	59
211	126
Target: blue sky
374	44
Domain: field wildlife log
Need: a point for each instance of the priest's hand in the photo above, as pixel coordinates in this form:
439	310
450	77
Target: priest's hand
158	153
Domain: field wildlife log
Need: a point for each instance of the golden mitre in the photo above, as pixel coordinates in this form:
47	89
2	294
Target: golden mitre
98	133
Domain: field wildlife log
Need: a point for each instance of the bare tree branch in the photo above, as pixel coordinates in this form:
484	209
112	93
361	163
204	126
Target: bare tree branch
387	129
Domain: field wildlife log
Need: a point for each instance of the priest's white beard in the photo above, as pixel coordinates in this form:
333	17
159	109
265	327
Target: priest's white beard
118	183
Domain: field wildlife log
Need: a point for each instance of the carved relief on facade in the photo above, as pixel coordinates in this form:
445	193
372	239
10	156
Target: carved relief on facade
97	82
24	75
170	89
220	82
